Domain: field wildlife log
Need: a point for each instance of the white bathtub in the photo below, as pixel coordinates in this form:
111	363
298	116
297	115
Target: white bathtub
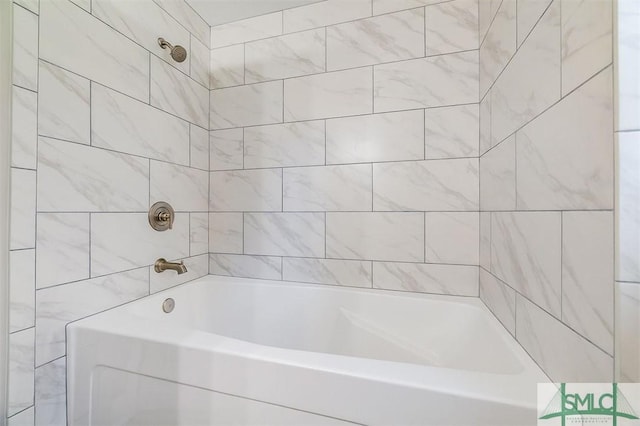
240	351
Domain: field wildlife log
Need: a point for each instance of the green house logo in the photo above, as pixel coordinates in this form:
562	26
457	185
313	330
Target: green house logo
588	406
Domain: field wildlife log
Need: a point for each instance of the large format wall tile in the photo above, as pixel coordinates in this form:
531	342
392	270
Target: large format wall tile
246	190
628	66
51	393
74	177
425	278
397	236
328	95
428	82
93	54
22	289
24	128
199	149
386	6
498	177
452	27
225	232
499	45
627	323
529	11
227	67
182	12
452	237
23	418
186	189
25	48
21	371
485	240
426	185
123	124
23	209
324	13
198	233
246	105
234	265
386	38
628	208
284	234
500	298
327	271
487	10
452	132
246	30
226	149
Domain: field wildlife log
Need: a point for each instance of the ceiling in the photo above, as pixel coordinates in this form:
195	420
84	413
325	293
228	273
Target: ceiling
217	12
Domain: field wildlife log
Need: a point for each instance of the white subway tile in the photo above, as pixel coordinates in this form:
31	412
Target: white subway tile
246	105
51	393
262	267
247	30
226	233
25	48
425	278
199	150
452	26
227	66
22	289
327	271
23	209
452	132
246	190
197	267
500	299
284	234
498	177
628	208
24	128
186	189
226	149
325	13
21	371
198	233
499	45
452	237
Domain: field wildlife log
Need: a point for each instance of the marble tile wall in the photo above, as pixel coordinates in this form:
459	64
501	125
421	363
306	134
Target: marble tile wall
337	151
547	180
104	124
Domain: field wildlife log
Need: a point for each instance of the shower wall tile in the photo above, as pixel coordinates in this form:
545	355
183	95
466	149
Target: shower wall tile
127	72
226	149
200	62
182	12
587	40
329	95
199	150
246	190
227	66
332	188
73	177
500	298
59	305
452	27
430	185
485	240
397	236
286	56
358	43
51	393
487	10
63	248
197	267
84	4
123	124
23	418
64	102
529	11
21	371
498	177
233	265
247	30
282	145
386	6
126	16
628	207
550	174
428	82
198	233
246	105
392	136
627	65
452	132
175	93
627	324
499	45
351	273
485	123
452	237
186	189
324	13
284	234
426	278
23	209
542	335
226	232
32	5
24	128
25	48
22	289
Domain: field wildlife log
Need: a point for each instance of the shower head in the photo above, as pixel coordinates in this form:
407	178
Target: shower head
178	53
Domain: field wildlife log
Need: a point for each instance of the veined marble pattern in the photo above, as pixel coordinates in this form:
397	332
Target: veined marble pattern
327	271
452	27
57	306
144	21
284	234
499	45
286	56
452	132
428	82
531	81
24	128
426	185
21	371
627	331
485	123
550	174
25	48
22	289
385	38
249	105
386	6
281	145
452	237
63	104
200	62
234	265
246	190
198	233
226	149
485	240
392	136
247	30
186	189
225	232
23	209
188	17
500	299
324	13
328	188
498	177
93	56
426	278
199	150
227	66
329	95
587	271
628	223
587	40
51	393
123	241
73	177
628	67
529	11
123	124
526	254
397	236
23	418
174	92
63	248
542	336
487	10
198	266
